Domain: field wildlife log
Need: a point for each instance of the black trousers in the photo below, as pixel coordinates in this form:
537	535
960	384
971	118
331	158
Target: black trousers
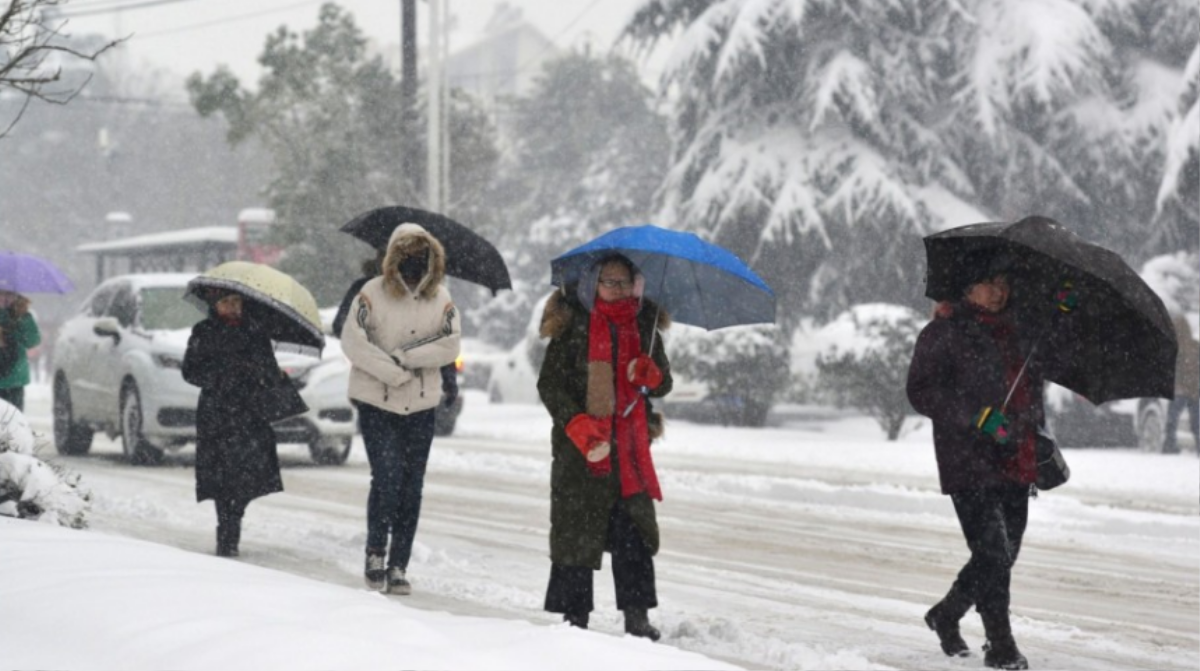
993	523
16	396
570	588
230	511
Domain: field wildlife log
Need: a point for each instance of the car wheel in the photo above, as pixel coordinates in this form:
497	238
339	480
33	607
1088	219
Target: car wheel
330	451
138	451
69	437
1152	428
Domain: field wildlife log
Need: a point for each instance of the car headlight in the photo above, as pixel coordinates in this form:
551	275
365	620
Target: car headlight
168	361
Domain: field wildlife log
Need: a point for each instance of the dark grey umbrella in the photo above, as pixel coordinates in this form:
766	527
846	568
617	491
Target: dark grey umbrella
1127	345
469	256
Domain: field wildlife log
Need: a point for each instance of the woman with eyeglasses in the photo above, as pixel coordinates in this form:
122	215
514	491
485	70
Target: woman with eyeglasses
603	364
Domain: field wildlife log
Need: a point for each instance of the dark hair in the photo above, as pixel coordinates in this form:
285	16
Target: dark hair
618	258
982	265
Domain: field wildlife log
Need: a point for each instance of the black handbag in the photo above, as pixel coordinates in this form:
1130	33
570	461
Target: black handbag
1052	468
280	402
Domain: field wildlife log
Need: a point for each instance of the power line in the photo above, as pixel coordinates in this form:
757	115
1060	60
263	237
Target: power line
228	19
67	13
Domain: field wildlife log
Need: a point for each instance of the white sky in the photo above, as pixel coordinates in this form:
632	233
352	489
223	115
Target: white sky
183	36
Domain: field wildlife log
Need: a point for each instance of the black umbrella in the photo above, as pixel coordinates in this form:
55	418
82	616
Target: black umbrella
469	256
1127	345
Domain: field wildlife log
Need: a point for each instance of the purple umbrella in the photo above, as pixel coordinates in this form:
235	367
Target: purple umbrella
25	274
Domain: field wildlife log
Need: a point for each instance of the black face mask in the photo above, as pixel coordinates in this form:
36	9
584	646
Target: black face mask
413	267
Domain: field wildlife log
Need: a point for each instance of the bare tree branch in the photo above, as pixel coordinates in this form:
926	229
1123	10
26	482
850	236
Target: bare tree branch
31	33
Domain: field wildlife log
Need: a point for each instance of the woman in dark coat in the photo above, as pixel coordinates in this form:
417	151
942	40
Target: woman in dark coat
594	382
964	364
231	360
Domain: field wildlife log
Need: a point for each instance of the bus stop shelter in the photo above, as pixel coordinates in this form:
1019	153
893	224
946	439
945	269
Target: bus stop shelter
191	249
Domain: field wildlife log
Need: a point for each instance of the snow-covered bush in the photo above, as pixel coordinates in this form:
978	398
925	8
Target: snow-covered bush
29	487
869	370
1176	280
745	367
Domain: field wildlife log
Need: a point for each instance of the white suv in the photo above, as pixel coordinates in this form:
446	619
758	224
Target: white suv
117	369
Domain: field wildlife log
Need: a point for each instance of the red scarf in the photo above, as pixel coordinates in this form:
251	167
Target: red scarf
630	434
1021	468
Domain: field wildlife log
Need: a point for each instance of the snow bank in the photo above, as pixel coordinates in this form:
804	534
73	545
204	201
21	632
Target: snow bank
30	488
137	605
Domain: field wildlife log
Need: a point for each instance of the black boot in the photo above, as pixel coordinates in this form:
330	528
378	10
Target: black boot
579	620
228	535
1000	651
637	623
943	619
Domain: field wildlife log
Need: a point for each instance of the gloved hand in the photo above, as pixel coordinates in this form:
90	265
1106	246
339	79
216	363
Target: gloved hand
992	423
449	385
592	436
1066	297
643	372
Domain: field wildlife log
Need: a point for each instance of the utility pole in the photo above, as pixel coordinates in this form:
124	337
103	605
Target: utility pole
433	167
408	91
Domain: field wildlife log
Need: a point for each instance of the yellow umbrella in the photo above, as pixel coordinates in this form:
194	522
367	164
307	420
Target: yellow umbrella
291	314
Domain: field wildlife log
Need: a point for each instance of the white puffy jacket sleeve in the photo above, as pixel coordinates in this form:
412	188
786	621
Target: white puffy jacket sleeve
363	353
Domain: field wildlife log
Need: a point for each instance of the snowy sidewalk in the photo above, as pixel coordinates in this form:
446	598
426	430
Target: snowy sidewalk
85	600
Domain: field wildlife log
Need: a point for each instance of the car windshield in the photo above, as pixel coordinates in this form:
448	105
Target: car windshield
163	309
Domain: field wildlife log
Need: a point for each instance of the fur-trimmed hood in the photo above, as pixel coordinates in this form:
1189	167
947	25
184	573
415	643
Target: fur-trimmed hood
562	306
406	240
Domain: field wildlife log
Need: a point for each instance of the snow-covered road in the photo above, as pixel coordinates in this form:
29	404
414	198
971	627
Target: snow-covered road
811	546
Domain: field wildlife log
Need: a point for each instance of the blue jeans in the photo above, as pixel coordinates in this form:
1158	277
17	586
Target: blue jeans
1174	410
398	450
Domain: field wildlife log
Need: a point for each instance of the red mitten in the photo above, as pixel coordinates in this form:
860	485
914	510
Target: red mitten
643	372
591	436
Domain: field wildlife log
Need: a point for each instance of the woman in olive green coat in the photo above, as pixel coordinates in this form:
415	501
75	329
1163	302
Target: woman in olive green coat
596	381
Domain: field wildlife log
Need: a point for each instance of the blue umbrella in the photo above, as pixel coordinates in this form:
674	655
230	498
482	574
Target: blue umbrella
25	274
698	282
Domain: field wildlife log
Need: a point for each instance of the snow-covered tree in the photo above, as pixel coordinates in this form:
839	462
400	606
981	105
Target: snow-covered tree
329	115
821	139
590	152
1179	194
869	370
745	367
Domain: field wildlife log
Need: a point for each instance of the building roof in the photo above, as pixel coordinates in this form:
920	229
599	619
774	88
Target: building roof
182	240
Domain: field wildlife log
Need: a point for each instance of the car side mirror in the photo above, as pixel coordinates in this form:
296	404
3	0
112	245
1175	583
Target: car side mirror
108	327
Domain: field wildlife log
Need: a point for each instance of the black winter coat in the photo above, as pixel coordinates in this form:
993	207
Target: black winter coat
235	446
957	369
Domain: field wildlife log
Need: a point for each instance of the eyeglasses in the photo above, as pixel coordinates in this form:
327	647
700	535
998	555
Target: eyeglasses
616	284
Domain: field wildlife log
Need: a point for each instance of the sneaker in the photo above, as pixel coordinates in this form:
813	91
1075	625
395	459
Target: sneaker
376	572
397	581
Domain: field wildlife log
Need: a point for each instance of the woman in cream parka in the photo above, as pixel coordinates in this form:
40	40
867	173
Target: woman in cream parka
403	327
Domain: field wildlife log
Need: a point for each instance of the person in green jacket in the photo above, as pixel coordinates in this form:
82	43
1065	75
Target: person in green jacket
18	333
603	364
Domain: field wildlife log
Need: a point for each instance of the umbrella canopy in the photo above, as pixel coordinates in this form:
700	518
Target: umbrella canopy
698	282
26	274
280	304
469	256
1127	345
